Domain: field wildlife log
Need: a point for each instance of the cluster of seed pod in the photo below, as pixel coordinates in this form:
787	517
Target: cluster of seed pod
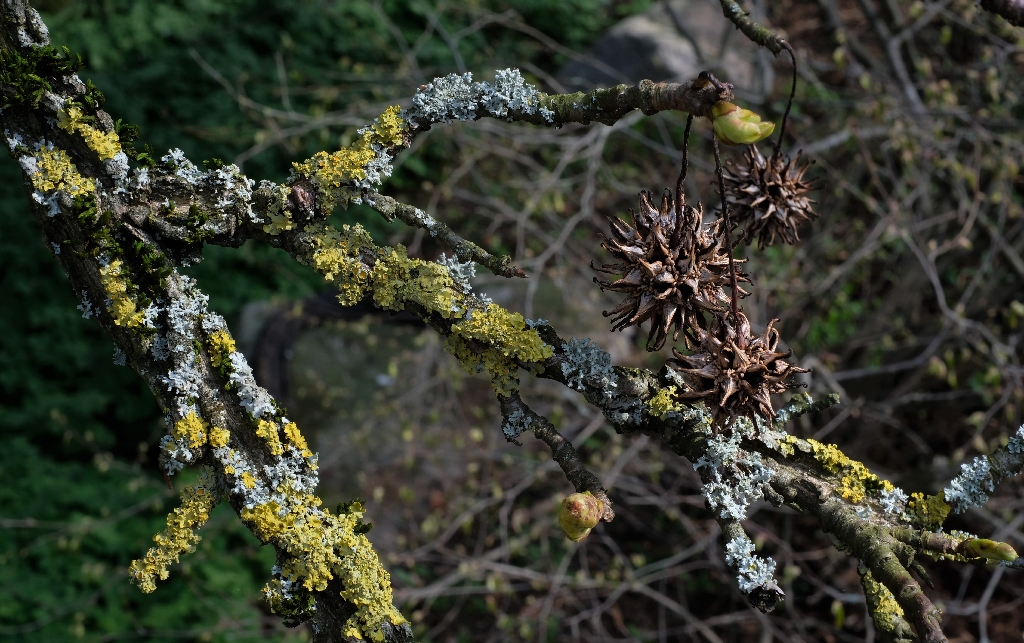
674	270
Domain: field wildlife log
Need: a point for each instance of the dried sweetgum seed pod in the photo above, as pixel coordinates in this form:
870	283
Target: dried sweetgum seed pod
674	270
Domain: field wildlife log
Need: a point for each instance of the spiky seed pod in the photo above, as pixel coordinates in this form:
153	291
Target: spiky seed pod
736	372
768	196
674	269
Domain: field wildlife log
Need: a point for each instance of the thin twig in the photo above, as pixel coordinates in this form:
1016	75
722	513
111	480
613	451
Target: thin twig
682	170
728	240
789	105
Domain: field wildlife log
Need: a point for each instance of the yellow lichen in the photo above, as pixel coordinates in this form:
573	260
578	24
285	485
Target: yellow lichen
179	537
219	437
885	611
855	480
664	402
388	127
247	479
928	512
268	431
192	429
280	218
317	547
510	342
502	370
122	306
55	171
786	447
221	347
291	432
396	279
505	331
105	144
335	173
337	259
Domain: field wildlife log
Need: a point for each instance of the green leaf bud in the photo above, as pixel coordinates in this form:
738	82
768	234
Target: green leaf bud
991	549
578	514
737	126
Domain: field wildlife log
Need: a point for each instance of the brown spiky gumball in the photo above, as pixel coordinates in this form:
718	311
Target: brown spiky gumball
736	372
673	269
768	196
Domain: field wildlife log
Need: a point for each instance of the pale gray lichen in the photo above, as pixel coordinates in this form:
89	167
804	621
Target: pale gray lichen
751	571
182	167
514	425
1016	443
256	400
184	383
445	99
86	306
457	98
460	272
119	359
14	140
893	501
118	168
142	178
159	349
969	488
173	455
736	481
509	92
585	363
25	39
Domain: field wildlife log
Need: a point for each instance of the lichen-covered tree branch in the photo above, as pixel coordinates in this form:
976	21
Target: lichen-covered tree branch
121	222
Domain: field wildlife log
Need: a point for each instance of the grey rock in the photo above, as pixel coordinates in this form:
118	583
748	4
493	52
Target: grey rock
673	41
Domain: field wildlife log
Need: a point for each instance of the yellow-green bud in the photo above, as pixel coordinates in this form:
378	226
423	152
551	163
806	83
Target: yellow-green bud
578	514
991	549
737	126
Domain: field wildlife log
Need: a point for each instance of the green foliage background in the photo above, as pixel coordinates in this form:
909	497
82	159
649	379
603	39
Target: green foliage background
80	495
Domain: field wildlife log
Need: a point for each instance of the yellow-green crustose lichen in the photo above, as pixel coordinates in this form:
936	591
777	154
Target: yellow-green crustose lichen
394	280
219	437
277	212
180	535
268	431
885	611
337	173
221	347
928	512
664	402
192	429
321	546
397	280
510	341
337	259
123	307
855	480
54	171
105	144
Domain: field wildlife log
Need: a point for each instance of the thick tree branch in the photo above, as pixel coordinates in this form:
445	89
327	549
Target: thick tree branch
123	231
1011	10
